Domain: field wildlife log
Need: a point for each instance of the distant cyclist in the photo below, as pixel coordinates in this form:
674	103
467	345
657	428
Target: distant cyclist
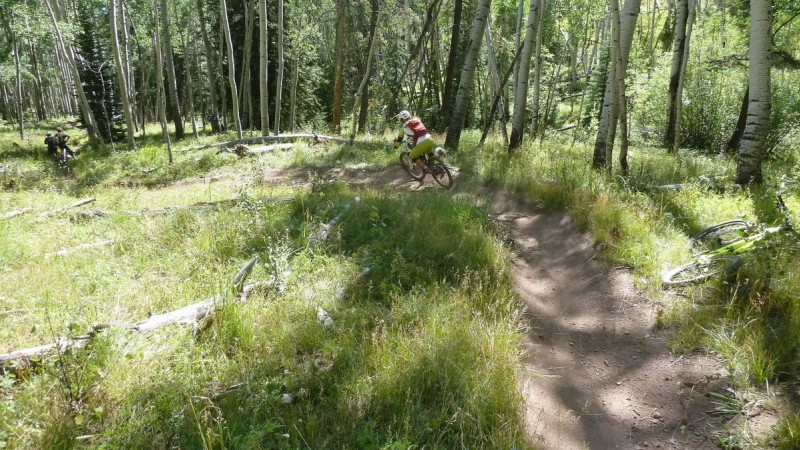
62	139
420	138
52	145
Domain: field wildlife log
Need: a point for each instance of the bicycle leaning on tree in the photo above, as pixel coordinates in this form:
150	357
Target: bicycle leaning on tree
719	248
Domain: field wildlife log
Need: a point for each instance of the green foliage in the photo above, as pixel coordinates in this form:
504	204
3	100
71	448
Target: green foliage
422	351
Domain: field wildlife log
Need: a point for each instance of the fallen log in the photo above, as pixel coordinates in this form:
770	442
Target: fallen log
217	204
15	213
316	139
67	251
188	315
269	148
74	205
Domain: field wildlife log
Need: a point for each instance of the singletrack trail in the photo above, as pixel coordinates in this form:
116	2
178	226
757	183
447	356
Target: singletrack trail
599	374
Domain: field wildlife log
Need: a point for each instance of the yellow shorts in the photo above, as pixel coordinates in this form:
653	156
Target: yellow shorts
425	146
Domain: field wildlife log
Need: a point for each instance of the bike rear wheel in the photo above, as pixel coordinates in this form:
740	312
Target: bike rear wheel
700	270
411	167
720	235
441	174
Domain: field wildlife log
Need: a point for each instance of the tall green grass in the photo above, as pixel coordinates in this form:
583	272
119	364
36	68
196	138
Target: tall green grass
752	321
423	350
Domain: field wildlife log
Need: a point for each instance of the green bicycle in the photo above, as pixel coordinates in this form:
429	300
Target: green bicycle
718	248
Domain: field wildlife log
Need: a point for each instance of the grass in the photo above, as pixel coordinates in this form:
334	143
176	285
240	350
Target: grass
423	350
752	323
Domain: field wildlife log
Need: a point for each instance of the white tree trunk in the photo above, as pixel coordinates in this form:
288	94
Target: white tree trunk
122	83
161	94
682	76
468	73
279	80
751	153
537	71
66	50
521	89
231	67
675	71
627	26
263	65
495	76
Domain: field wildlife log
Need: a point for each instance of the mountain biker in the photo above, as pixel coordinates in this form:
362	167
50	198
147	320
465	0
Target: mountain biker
420	138
61	139
52	145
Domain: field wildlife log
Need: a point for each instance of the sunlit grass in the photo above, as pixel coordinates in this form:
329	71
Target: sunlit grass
423	348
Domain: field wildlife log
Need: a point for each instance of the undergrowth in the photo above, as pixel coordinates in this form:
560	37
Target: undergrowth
422	349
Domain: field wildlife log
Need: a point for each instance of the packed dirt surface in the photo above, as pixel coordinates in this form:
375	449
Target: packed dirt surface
600	375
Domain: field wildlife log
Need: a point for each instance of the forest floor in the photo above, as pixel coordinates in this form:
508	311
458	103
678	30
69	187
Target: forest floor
599	374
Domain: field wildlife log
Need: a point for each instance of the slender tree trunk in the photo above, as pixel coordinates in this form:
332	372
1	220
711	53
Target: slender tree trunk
537	71
190	87
675	72
66	50
231	67
373	26
279	79
161	94
129	71
212	71
521	90
293	94
468	74
122	83
652	36
38	85
614	88
175	106
518	38
682	75
494	74
365	80
18	76
341	10
497	98
621	66
605	129
244	81
263	26
735	142
748	168
430	18
452	61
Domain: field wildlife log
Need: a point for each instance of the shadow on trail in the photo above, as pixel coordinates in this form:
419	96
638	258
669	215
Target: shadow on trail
601	376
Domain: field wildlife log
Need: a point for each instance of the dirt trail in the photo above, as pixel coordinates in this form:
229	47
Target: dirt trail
600	375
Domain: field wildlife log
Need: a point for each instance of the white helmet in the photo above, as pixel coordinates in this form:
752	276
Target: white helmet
403	115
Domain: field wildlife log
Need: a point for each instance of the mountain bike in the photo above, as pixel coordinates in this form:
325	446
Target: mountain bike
718	248
63	158
432	163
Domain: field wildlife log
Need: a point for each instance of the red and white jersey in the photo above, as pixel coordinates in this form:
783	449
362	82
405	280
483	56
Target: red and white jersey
416	129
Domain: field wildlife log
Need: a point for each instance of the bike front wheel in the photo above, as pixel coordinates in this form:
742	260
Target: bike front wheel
441	174
700	270
720	235
411	167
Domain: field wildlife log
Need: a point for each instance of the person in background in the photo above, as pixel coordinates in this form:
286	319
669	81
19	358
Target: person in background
62	139
52	145
421	140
